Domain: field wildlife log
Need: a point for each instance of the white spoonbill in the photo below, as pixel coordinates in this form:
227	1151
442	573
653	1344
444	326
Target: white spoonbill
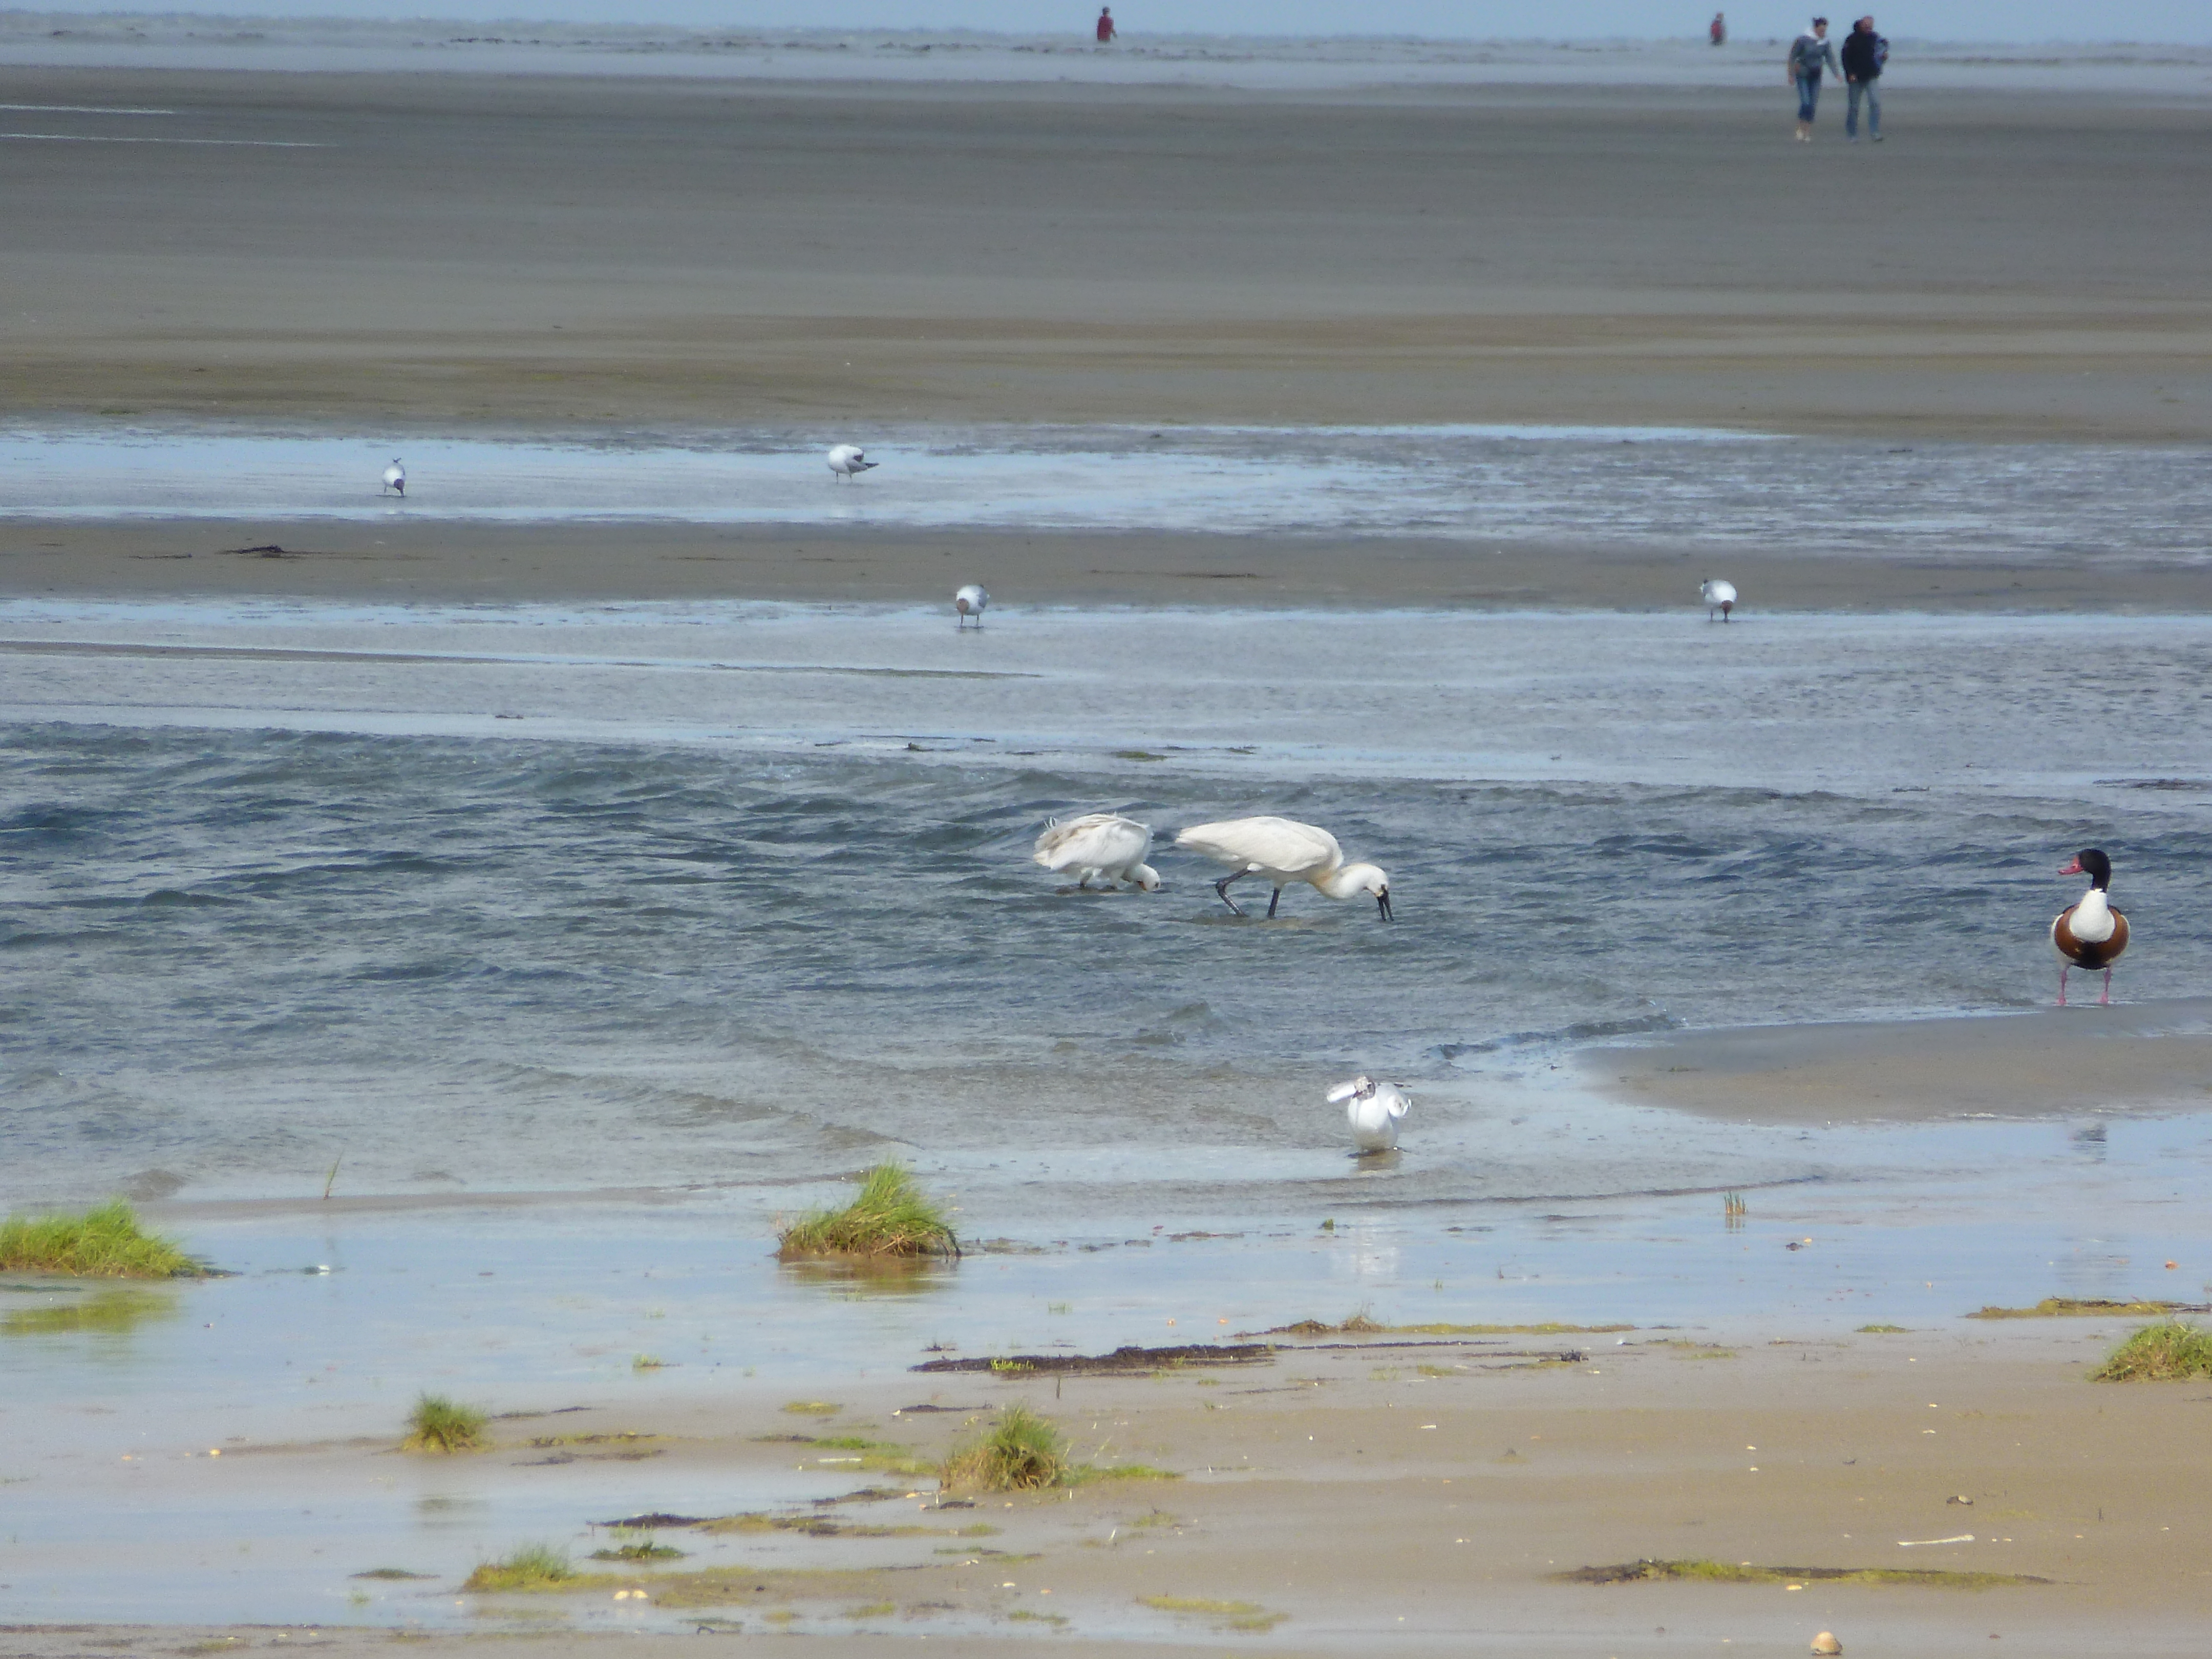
969	602
395	478
1284	851
1719	596
1373	1109
1102	844
845	460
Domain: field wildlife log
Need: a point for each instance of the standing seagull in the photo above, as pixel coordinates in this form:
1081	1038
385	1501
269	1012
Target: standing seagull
1103	844
1719	596
969	602
1284	851
395	478
2090	934
1373	1109
845	460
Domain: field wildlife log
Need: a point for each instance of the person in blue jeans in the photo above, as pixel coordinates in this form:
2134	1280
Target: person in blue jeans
1865	52
1808	53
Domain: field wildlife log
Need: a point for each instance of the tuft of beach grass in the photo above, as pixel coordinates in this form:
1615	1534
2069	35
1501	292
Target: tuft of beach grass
105	1241
438	1425
2171	1350
1023	1452
533	1566
891	1218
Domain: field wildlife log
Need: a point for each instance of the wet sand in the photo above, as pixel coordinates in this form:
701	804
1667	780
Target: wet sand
1381	1497
554	252
2059	1062
400	561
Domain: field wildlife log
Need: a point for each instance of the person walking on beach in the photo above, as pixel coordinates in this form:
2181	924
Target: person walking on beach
1106	30
1808	53
1864	54
1719	30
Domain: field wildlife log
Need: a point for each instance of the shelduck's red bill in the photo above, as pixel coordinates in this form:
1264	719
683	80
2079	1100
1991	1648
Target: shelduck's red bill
2072	868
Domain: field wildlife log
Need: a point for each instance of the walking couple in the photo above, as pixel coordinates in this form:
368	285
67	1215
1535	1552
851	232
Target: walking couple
1865	54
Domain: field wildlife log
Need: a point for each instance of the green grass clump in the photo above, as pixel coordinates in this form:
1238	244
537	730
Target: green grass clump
813	1407
1882	1330
2166	1352
2068	1307
893	1218
534	1566
1023	1453
105	1241
438	1425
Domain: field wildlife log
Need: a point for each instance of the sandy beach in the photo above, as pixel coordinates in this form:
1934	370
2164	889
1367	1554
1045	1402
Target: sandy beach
596	995
1402	1494
457	250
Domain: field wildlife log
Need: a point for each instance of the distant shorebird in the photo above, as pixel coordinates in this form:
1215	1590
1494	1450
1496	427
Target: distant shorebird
1719	596
845	461
1284	851
969	602
1373	1109
1102	844
2089	934
395	478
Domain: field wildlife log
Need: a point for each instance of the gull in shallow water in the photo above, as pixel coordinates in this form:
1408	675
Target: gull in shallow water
395	478
969	602
845	460
1717	596
1284	851
1373	1109
1105	845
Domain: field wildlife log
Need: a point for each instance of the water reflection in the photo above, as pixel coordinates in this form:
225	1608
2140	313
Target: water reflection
115	1312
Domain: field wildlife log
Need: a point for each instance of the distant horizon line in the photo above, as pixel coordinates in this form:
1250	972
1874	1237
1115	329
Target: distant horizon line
12	18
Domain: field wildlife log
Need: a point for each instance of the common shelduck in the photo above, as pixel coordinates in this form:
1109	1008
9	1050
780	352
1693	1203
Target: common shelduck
395	478
969	602
1373	1109
1284	851
1719	596
2090	934
845	460
1099	844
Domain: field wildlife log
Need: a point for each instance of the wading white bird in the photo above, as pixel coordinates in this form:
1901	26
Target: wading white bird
1284	851
969	602
845	460
1719	596
1104	845
395	478
1373	1109
2089	934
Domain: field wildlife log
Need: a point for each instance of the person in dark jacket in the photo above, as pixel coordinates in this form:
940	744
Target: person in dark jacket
1864	54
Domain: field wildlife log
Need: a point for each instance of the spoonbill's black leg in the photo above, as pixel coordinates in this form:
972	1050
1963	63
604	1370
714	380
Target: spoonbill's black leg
1273	901
1222	887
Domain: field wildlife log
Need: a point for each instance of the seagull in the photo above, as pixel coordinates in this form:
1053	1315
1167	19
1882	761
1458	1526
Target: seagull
969	602
2090	934
845	461
395	476
1284	851
1373	1109
1719	596
1103	844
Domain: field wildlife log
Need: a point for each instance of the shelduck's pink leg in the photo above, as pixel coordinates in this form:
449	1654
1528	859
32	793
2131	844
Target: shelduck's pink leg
2108	997
2062	984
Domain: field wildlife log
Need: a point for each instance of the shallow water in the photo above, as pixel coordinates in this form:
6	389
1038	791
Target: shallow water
1625	486
585	942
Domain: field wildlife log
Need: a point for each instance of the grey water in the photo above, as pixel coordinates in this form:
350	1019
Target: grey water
1614	486
572	946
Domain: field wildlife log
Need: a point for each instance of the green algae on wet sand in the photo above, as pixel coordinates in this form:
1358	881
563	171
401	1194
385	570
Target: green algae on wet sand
1724	1572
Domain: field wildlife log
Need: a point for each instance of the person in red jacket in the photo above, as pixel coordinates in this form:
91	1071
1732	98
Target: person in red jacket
1105	26
1719	30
